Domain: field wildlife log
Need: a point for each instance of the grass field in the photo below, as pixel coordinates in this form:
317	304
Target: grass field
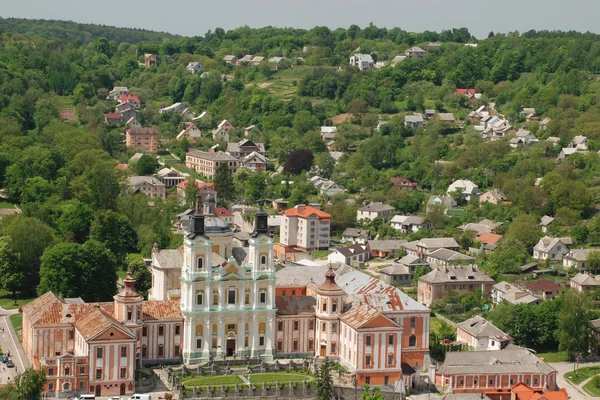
6	204
582	374
558	356
213	380
16	321
593	387
320	254
7	302
283	377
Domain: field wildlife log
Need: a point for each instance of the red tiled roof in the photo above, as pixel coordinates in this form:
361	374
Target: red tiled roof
157	310
489	238
129	98
199	184
463	91
222	212
94	322
402	181
112	116
543	284
305	212
46	309
122	167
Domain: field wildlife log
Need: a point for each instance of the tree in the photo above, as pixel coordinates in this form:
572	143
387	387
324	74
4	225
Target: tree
376	395
255	187
224	182
593	260
29	385
573	324
116	232
326	164
74	219
298	161
526	229
420	271
146	165
191	192
142	276
508	257
102	186
324	381
11	278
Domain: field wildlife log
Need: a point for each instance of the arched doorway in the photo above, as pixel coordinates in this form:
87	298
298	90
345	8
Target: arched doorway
98	390
122	392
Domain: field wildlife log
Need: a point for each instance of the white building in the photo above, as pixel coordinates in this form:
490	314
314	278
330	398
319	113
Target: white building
549	248
469	190
362	61
305	227
481	334
375	210
350	255
194	67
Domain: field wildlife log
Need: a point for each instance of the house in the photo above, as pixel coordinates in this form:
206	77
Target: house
445	202
426	246
493	196
381	63
493	127
128	111
133	123
255	162
375	210
396	60
204	189
527	111
579	142
504	291
480	334
277	62
330	188
143	140
544	123
171	177
247	59
584	283
328	133
415	52
244	148
545	222
522	391
128	98
408	223
489	241
469	93
362	61
522	138
431	287
516	143
191	133
544	289
397	275
224	214
466	188
386	248
549	248
577	258
117	92
175	108
447	118
251	129
496	370
446	257
429	114
150	60
480	113
356	236
305	227
148	185
97	347
554	140
567	151
207	163
477	228
221	133
113	119
194	67
414	121
403	182
257	60
351	255
231	60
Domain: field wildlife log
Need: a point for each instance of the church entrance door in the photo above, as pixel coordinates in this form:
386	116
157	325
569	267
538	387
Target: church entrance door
230	347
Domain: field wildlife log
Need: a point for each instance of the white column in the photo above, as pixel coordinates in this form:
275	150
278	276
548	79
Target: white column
241	333
221	337
206	338
253	335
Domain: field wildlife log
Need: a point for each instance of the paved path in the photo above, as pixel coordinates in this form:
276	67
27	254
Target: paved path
576	392
10	344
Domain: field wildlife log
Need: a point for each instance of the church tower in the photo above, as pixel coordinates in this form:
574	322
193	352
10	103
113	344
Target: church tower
330	304
128	304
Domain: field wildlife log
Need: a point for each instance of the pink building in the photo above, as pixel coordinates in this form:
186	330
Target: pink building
95	347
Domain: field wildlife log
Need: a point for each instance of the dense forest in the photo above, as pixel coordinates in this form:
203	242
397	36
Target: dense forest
78	225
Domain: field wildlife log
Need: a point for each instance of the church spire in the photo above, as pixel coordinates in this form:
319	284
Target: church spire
261	221
197	227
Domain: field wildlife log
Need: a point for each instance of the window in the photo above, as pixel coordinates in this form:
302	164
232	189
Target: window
71	334
51	386
295	345
390	359
491	381
368	380
368	340
334	327
311	344
81	384
386	380
512	381
246	341
263	297
261	341
123	351
247	298
391	339
334	306
129	315
200	263
199	299
161	350
293	293
177	329
50	371
99	373
279	345
333	347
215	299
324	306
368	359
413	321
99	352
161	330
324	327
123	373
263	260
231	297
177	350
535	381
198	343
144	331
144	351
412	341
462	381
283	292
295	325
81	370
280	326
311	324
475	381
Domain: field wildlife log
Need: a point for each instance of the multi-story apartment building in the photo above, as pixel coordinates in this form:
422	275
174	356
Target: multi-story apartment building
207	163
144	140
305	227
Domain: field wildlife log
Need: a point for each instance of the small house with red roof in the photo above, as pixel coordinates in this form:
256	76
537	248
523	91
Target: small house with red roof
470	93
132	99
204	189
403	182
545	289
224	214
113	119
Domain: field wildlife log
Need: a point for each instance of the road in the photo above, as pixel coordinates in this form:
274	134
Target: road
239	221
575	393
10	344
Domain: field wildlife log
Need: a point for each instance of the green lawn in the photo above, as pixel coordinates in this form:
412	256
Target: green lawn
593	387
17	321
320	254
6	204
7	302
582	374
283	377
213	380
558	356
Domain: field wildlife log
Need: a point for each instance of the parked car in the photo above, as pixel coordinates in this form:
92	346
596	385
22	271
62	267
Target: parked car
4	359
10	364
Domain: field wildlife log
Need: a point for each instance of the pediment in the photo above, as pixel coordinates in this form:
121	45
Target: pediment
113	333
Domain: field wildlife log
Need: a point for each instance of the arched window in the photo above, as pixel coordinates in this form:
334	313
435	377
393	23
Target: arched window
215	299
247	298
263	260
412	341
200	263
199	297
66	387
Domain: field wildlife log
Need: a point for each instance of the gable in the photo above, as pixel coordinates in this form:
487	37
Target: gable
380	322
112	333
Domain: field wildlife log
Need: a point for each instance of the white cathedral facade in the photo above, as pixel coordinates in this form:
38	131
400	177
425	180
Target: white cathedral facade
228	304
